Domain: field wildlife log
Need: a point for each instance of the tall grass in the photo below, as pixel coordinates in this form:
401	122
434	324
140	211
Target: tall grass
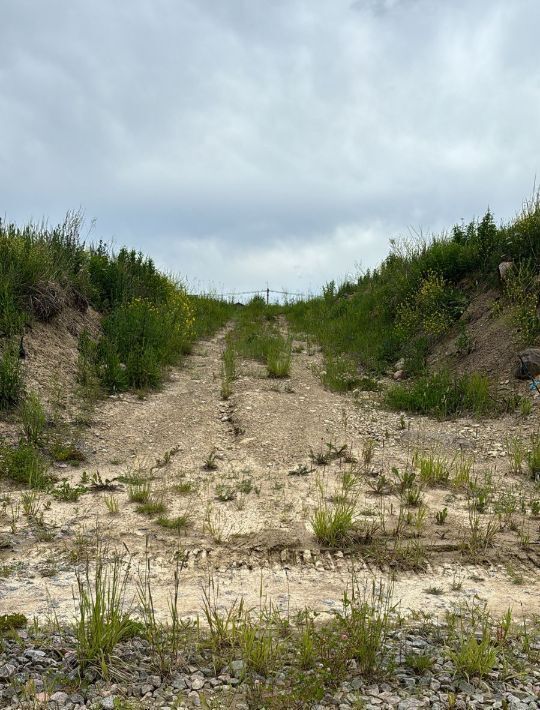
257	336
406	304
104	613
11	379
442	395
41	268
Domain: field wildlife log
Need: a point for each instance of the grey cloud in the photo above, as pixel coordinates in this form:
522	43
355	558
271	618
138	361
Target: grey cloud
264	132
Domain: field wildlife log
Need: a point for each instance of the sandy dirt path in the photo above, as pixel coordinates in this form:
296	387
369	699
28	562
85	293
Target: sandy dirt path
250	531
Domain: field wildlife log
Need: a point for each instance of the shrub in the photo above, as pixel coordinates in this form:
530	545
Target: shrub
340	373
398	309
430	309
11	379
521	293
8	622
141	338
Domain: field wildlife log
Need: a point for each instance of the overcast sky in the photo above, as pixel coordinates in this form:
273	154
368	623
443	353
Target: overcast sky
246	142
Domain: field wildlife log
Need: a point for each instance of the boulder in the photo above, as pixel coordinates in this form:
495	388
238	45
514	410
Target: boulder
528	364
504	269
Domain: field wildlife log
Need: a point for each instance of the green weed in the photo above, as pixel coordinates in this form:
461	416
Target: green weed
33	419
443	395
11	379
178	523
104	615
24	465
333	524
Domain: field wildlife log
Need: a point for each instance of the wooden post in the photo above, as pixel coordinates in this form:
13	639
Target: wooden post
267	296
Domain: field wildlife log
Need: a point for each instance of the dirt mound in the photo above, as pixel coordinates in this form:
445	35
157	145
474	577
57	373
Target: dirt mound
275	539
483	340
51	353
50	362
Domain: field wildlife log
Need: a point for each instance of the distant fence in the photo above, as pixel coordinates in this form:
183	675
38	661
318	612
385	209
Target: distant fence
264	292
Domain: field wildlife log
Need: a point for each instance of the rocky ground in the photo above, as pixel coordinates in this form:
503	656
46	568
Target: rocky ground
42	672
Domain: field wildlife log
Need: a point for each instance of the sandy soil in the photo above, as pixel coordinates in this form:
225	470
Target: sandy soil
260	543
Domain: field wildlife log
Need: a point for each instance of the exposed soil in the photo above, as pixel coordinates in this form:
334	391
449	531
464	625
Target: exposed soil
490	343
261	541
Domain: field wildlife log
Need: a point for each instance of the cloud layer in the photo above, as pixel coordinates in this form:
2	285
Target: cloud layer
249	142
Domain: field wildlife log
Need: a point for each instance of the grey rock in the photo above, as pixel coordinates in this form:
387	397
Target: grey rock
528	364
6	671
197	683
505	267
179	682
466	688
237	667
59	698
193	696
107	703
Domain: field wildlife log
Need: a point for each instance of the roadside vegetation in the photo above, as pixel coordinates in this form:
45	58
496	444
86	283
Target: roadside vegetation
399	310
148	323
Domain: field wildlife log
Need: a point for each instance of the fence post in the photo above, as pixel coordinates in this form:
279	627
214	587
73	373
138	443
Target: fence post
267	296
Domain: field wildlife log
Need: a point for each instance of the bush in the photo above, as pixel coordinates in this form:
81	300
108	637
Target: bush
150	320
8	622
340	373
142	337
11	379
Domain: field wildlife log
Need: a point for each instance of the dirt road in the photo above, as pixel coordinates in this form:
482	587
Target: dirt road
249	518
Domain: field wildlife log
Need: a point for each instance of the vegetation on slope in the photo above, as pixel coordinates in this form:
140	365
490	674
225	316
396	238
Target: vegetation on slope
420	289
402	308
149	321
